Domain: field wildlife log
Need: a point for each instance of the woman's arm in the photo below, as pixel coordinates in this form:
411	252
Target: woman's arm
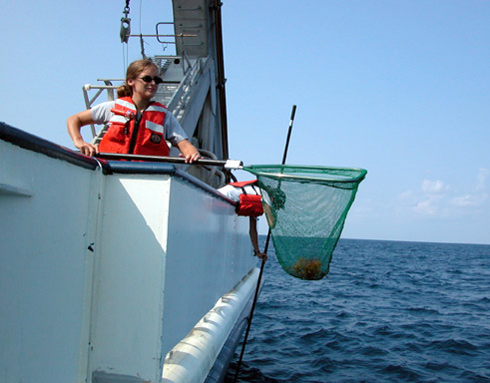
254	237
74	125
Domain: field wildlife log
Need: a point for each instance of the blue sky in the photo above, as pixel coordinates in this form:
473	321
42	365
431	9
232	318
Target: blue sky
400	88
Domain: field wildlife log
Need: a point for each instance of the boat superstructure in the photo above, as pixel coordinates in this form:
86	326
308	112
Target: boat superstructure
194	82
117	271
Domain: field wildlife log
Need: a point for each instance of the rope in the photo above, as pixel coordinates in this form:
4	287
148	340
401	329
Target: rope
142	46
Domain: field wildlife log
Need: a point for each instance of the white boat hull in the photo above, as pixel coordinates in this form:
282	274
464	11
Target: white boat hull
104	269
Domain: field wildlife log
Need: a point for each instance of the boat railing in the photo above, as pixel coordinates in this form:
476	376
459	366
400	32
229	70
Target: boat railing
108	87
215	175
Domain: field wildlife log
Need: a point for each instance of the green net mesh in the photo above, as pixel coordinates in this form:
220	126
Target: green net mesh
306	209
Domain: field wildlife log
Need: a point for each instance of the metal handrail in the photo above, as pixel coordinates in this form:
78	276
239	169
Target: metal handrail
183	93
100	88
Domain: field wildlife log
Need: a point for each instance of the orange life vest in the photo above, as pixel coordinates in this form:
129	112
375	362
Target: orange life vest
129	136
250	205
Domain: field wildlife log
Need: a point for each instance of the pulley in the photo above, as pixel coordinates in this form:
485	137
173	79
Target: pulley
125	29
125	25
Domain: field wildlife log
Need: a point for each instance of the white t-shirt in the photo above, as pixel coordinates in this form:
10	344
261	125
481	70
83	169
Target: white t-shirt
233	192
101	114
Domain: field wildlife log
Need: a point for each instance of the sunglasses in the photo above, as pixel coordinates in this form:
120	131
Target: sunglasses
149	79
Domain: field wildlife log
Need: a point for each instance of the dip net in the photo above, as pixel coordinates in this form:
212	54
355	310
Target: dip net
306	208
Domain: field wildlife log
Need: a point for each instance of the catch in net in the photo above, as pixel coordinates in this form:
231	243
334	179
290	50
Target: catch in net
306	208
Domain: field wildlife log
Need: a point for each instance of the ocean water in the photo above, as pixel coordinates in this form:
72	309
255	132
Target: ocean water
387	312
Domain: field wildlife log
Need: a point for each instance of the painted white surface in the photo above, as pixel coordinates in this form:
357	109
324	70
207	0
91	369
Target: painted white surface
164	252
193	357
167	251
45	267
208	252
128	299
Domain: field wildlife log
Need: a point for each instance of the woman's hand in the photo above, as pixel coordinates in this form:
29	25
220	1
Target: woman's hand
188	151
86	148
260	255
190	158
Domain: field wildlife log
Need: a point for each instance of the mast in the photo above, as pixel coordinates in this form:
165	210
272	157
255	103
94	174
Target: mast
198	27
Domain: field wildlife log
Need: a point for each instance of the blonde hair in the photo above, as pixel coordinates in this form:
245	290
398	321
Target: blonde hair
133	71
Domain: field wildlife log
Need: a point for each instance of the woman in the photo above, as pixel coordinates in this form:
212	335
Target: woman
137	125
251	207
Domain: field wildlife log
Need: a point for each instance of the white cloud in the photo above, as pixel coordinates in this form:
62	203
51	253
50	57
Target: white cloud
476	198
434	186
436	199
469	200
431	200
426	207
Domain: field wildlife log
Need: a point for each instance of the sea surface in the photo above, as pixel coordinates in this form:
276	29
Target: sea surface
387	312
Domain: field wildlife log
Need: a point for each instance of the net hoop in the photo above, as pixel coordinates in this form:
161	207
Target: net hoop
329	174
306	208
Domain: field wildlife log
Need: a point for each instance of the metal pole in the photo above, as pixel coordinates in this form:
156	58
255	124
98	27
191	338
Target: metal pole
266	248
173	160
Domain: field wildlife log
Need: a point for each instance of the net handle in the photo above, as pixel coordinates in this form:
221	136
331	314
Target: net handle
286	147
227	164
291	120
